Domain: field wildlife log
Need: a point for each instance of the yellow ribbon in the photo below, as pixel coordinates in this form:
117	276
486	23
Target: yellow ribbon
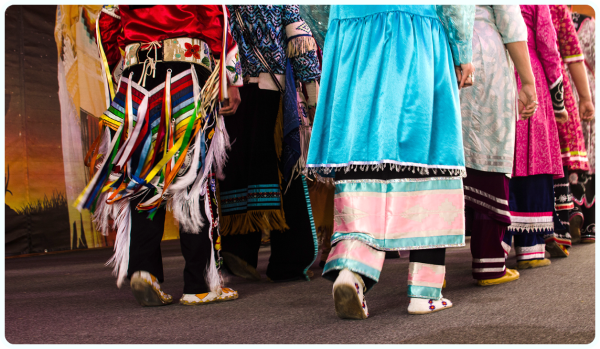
104	60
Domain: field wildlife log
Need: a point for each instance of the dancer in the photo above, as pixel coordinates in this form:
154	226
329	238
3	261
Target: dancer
388	124
489	115
164	142
537	151
582	219
263	186
572	143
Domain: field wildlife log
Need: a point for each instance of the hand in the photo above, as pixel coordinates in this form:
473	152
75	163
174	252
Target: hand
586	109
462	73
562	117
527	101
229	106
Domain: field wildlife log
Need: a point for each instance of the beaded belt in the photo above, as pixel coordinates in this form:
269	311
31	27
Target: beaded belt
190	50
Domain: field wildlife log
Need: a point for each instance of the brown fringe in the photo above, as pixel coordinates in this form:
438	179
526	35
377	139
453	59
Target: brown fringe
255	220
300	45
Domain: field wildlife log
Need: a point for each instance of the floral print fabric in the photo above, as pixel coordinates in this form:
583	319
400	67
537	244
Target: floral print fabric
586	32
458	21
489	107
572	144
537	149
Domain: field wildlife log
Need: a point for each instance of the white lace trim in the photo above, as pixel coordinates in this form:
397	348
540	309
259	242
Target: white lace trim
535	227
422	169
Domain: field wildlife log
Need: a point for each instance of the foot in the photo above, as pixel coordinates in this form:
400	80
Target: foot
535	263
418	306
511	275
240	267
575	228
348	295
147	291
556	250
226	294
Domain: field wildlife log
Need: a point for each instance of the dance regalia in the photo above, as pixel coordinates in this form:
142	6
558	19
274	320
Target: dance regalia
537	150
583	184
263	187
489	115
388	126
572	143
163	143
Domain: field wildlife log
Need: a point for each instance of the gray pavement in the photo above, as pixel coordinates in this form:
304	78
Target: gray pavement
72	298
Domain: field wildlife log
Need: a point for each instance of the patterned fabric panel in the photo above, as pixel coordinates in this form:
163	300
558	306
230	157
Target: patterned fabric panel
568	43
400	214
458	21
267	23
563	200
528	246
489	268
182	101
572	142
116	112
488	193
255	197
531	252
531	204
425	280
586	32
563	205
182	97
356	256
583	188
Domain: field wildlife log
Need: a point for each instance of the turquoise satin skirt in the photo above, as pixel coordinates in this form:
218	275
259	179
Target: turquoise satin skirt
388	91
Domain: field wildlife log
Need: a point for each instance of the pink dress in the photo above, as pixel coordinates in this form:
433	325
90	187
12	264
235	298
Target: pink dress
572	143
537	149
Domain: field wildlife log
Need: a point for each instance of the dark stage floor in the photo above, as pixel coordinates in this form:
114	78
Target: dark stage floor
72	298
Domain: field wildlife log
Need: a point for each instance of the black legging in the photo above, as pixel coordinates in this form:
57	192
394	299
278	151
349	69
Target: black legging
145	253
